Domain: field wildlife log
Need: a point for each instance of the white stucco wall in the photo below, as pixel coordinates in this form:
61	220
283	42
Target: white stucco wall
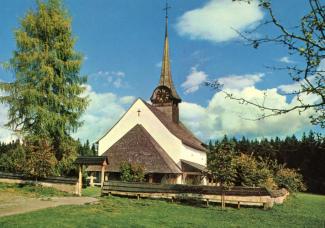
193	155
170	143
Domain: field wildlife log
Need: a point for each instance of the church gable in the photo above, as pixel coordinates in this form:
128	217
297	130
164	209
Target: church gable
139	113
138	147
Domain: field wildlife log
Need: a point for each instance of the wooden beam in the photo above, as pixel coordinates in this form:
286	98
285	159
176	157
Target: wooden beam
91	183
80	180
102	176
150	178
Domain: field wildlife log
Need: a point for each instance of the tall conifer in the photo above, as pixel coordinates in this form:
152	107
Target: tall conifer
45	99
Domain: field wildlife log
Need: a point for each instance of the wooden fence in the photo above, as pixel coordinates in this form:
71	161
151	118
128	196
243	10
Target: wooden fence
66	184
234	195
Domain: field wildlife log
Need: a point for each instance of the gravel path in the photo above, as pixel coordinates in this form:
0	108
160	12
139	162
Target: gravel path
12	205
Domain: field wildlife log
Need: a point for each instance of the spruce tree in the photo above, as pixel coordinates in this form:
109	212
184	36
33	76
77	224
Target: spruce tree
45	99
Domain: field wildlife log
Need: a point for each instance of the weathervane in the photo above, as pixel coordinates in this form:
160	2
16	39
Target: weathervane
167	8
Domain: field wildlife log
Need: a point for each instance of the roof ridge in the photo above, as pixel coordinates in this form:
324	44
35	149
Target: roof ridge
177	129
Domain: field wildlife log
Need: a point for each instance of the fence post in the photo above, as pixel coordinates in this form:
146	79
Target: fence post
80	180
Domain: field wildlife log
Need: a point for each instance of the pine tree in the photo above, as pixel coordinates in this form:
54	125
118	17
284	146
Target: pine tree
45	100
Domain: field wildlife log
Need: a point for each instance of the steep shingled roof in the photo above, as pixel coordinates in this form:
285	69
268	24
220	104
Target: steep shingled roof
137	146
177	129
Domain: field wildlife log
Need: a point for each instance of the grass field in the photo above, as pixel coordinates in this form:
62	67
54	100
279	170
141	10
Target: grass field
30	190
303	210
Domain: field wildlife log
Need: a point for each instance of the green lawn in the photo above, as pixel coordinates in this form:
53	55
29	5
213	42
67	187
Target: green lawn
31	190
304	210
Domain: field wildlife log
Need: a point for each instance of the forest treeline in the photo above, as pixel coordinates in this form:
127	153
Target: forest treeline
307	155
14	158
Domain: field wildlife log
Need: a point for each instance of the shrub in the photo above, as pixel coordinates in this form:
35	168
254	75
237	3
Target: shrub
40	158
131	172
290	179
14	160
250	172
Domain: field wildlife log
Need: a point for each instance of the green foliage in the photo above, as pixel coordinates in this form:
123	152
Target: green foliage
68	147
40	157
45	97
306	155
86	150
14	160
131	172
290	179
221	165
45	100
250	172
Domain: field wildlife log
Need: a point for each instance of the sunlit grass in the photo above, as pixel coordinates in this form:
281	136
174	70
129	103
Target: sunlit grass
302	210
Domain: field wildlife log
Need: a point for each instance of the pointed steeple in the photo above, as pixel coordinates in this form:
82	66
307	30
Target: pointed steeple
165	97
166	76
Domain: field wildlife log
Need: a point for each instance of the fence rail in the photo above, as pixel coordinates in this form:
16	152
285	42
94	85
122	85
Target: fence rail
57	180
179	188
235	195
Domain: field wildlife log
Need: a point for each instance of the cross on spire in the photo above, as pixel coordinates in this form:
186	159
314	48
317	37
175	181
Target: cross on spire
167	8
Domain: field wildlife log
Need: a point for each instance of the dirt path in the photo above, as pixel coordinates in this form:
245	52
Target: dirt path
10	205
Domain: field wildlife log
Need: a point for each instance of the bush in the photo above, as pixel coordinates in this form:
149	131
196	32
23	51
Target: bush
14	160
40	158
290	179
250	172
131	172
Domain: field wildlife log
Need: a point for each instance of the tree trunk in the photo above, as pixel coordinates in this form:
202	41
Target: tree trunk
223	204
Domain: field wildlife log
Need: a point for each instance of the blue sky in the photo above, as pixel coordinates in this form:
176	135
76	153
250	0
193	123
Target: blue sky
122	43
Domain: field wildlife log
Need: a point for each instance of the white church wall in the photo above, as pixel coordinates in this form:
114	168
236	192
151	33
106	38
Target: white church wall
193	155
170	143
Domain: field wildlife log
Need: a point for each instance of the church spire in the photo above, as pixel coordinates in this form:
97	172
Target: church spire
165	97
166	76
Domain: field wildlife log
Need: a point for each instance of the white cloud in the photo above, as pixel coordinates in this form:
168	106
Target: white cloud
225	116
240	81
102	113
218	19
286	59
127	100
194	80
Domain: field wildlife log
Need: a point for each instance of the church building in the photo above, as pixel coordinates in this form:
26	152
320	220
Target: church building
152	135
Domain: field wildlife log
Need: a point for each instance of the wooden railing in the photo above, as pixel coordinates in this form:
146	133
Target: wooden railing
58	180
237	195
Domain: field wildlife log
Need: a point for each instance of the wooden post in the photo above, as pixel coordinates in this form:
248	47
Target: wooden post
91	183
150	178
138	196
265	206
80	180
207	202
102	176
238	205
